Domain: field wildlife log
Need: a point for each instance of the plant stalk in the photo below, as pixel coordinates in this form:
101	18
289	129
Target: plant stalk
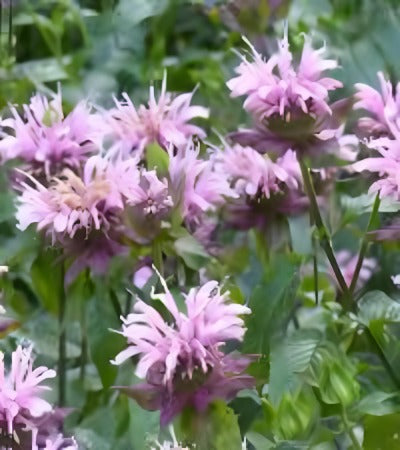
364	244
321	228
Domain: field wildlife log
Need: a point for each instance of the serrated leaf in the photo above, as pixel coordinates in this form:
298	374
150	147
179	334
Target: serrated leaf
288	358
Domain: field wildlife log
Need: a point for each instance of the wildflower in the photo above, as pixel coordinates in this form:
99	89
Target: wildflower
289	105
165	121
20	390
348	264
386	164
182	361
151	195
265	189
45	139
195	184
383	107
81	214
251	173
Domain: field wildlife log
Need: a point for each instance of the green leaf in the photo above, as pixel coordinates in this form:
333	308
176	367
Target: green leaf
271	303
288	358
378	403
104	344
191	251
157	158
216	429
299	227
376	306
47	278
259	441
142	424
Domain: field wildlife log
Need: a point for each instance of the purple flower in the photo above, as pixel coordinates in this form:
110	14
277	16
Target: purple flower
251	173
21	388
45	139
182	361
151	195
289	103
384	108
165	121
195	185
74	204
276	88
83	215
386	164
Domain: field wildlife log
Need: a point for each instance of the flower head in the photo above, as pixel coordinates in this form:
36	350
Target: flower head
384	108
195	184
46	139
151	195
165	121
21	388
276	88
251	173
72	203
182	361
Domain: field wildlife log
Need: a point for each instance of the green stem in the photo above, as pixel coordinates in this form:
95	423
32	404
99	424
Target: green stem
321	228
62	345
350	431
128	305
364	244
84	344
157	256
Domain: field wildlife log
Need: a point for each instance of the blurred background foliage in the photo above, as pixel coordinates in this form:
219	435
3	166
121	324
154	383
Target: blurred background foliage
97	49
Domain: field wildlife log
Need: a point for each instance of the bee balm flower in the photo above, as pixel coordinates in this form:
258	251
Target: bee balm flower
20	390
165	121
45	139
182	361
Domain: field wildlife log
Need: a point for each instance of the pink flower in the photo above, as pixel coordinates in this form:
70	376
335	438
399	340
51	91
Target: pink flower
165	121
277	88
47	140
73	204
82	214
185	351
251	173
383	107
386	164
142	276
196	186
151	195
348	264
21	388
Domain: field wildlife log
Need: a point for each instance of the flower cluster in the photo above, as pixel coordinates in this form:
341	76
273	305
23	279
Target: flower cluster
21	402
47	140
182	361
289	104
165	121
